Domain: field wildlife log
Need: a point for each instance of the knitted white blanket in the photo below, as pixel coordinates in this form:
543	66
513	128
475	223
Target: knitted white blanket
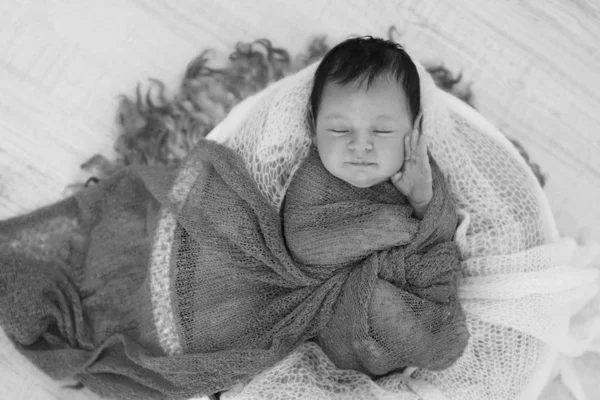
521	282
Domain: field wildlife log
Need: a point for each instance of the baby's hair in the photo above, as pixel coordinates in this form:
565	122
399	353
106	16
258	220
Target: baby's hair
363	60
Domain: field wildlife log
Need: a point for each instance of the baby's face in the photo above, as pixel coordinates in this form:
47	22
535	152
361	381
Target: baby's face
360	133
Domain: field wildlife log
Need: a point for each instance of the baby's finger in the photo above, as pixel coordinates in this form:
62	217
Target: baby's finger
414	139
406	148
422	147
416	132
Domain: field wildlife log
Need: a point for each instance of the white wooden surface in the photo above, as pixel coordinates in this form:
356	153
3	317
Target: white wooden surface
534	66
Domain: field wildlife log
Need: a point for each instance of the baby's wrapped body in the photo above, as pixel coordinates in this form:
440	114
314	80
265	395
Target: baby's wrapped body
398	306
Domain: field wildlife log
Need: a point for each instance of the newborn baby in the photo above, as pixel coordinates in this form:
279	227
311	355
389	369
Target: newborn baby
369	199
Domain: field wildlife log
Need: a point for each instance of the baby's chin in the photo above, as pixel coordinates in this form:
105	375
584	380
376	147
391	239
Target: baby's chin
365	182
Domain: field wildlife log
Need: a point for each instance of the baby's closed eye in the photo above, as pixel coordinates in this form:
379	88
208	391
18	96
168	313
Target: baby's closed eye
339	131
384	132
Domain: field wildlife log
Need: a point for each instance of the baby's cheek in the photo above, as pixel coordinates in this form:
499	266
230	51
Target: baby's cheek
396	157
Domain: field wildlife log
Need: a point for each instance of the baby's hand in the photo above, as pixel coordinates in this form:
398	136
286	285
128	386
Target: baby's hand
414	179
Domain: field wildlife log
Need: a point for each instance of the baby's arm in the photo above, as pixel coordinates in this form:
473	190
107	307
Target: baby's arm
415	180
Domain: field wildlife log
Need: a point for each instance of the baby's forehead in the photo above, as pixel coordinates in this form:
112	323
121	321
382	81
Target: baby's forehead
380	105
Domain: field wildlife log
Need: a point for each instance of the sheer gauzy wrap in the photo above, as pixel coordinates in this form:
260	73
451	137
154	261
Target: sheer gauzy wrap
530	297
398	304
158	284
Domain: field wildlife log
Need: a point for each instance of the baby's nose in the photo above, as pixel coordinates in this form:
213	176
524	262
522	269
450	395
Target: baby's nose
361	143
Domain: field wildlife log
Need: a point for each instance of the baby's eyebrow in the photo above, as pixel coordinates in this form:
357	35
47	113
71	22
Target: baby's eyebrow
387	118
334	116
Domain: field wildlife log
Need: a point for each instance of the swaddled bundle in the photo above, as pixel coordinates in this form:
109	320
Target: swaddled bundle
398	305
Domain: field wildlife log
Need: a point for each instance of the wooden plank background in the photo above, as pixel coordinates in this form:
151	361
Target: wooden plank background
534	67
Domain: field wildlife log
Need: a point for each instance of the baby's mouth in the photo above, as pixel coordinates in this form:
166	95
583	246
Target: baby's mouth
361	163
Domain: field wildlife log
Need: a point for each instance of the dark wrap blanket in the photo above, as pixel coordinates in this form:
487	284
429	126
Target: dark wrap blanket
398	305
80	295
